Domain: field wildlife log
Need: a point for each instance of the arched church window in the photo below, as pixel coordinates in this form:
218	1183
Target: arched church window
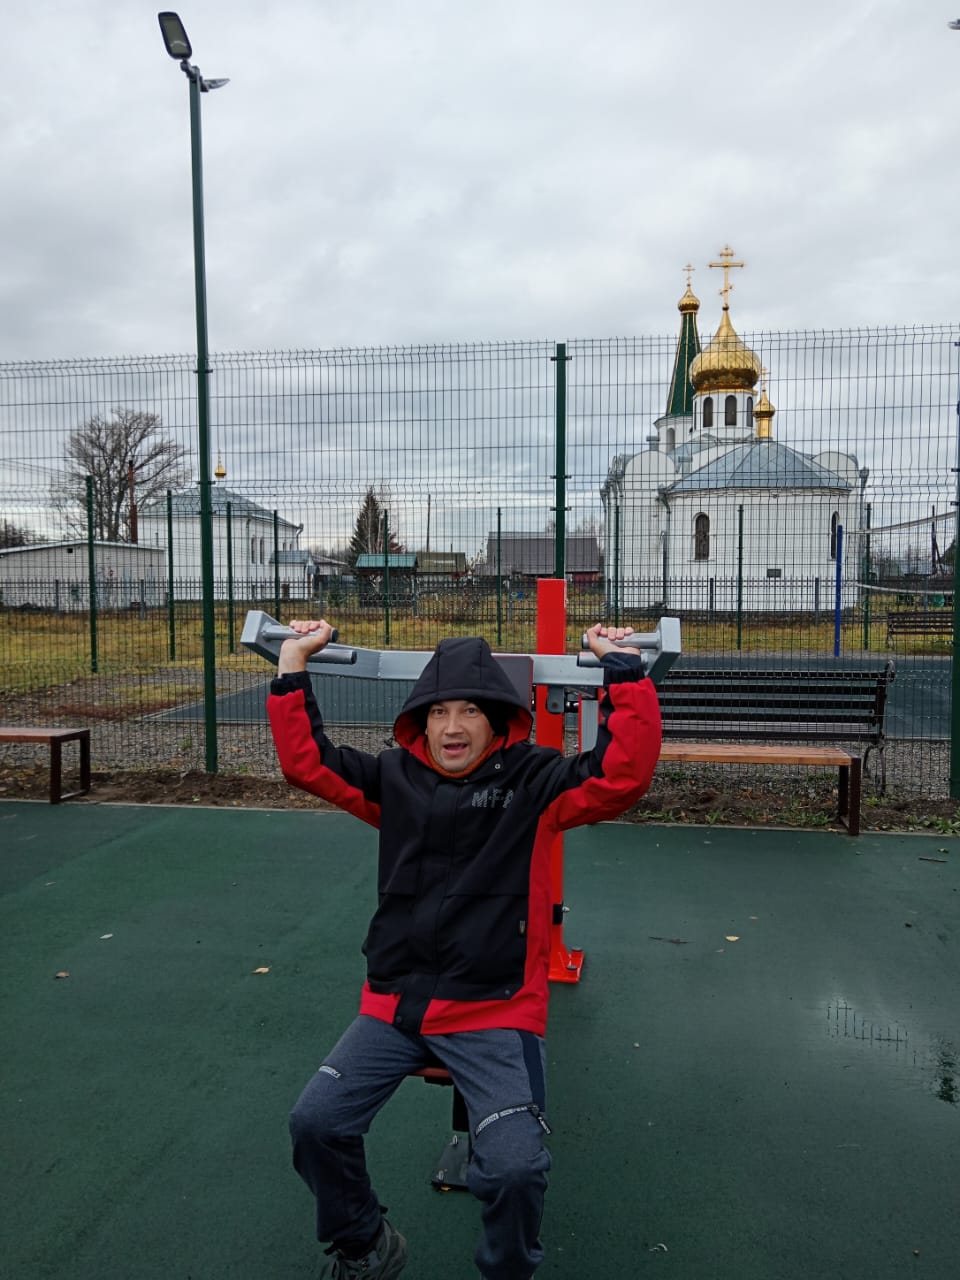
701	537
708	413
749	413
834	522
730	411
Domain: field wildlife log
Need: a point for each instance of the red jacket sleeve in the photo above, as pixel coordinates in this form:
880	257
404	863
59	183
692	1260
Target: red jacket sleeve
347	778
602	783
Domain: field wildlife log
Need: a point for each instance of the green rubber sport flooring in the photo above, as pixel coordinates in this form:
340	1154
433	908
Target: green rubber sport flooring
757	1077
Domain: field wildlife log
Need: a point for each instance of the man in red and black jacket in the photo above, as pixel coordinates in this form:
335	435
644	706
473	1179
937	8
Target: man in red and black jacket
458	948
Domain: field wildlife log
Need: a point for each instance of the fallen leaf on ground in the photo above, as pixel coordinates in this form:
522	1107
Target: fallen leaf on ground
262	970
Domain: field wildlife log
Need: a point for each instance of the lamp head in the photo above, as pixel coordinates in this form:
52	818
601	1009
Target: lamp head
174	36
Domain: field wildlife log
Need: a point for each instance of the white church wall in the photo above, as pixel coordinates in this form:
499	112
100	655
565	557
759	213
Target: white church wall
786	560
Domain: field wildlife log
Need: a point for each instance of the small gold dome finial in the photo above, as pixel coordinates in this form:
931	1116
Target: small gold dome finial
763	413
221	470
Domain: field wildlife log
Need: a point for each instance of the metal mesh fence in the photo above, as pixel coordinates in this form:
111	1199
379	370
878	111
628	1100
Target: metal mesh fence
411	493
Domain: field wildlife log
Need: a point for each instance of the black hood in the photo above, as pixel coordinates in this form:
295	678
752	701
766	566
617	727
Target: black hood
464	668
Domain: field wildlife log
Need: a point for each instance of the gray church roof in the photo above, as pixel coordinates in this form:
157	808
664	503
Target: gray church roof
761	464
186	502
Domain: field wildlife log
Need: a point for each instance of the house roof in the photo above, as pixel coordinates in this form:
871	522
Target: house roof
80	544
373	561
186	502
760	464
535	554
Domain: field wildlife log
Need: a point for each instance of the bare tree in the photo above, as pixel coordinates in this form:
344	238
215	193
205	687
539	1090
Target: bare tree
16	535
133	461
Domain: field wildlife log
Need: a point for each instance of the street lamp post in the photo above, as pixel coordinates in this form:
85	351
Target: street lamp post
178	46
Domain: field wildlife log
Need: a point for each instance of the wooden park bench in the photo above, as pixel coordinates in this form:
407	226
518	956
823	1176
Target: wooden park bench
919	622
779	717
54	739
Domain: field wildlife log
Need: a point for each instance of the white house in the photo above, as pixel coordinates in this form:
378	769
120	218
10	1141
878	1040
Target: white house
715	514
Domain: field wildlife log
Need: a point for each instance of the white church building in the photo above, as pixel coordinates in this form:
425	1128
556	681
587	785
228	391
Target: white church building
715	514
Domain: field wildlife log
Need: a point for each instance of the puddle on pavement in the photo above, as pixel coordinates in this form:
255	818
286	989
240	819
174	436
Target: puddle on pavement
932	1062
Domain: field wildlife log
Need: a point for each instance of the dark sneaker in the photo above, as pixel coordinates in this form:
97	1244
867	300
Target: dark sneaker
386	1259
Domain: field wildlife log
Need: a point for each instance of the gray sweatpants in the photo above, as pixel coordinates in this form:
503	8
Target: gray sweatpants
501	1077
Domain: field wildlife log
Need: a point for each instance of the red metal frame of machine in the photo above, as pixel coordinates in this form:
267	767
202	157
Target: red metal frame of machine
565	964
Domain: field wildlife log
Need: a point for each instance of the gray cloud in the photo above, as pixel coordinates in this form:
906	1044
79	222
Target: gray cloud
426	172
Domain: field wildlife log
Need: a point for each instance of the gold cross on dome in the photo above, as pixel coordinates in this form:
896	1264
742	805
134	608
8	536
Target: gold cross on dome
725	263
689	269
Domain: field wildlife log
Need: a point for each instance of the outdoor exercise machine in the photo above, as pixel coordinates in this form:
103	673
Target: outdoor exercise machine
552	682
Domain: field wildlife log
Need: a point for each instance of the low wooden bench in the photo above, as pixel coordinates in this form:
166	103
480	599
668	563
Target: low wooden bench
54	739
919	622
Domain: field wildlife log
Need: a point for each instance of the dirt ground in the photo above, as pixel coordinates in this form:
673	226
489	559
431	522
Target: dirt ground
784	803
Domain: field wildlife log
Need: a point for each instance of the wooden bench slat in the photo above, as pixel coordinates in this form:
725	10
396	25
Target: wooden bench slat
752	753
54	737
17	733
812	730
850	766
919	622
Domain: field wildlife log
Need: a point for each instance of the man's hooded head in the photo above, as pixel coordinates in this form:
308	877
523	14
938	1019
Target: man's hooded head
464	669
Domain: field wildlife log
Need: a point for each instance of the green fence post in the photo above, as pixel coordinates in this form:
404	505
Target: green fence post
740	576
276	564
231	634
560	523
171	607
865	571
616	564
386	577
92	575
499	578
955	662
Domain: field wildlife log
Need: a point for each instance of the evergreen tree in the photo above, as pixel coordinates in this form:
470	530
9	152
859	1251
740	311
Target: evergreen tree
368	531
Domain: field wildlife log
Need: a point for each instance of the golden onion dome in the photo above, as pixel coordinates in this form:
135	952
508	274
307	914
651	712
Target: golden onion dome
689	302
726	363
763	414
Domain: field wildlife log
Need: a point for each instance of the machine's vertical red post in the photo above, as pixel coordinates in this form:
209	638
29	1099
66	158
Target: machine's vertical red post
565	965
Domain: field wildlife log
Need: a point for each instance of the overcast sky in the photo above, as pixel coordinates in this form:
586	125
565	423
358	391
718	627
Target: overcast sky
428	171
